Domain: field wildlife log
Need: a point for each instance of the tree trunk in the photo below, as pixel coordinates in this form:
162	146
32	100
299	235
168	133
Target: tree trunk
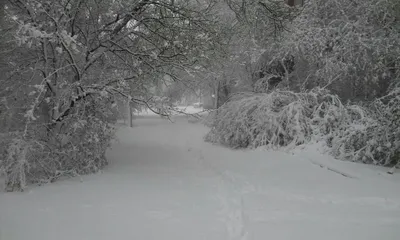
217	95
2	4
130	119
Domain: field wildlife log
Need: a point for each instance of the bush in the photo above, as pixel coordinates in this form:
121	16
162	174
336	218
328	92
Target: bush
375	136
280	118
287	119
13	163
44	154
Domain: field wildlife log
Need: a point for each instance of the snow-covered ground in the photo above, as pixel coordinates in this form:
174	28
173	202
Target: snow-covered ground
164	182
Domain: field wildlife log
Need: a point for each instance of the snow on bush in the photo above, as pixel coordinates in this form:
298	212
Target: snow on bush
373	137
279	118
14	163
45	153
349	47
288	119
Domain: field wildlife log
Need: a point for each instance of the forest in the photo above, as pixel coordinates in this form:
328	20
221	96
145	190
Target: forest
279	74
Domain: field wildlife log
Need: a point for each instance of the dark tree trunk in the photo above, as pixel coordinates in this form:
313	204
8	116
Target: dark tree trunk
216	97
2	3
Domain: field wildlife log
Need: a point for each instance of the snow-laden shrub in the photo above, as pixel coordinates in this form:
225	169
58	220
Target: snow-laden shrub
208	120
368	134
279	118
14	164
75	146
374	137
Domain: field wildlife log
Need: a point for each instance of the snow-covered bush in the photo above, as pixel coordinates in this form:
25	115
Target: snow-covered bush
374	137
350	47
13	163
43	154
368	134
208	120
279	118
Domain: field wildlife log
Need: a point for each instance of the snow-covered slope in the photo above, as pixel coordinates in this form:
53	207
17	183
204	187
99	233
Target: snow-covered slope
164	182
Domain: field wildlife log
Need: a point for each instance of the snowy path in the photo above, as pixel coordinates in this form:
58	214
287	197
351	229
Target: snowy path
164	182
